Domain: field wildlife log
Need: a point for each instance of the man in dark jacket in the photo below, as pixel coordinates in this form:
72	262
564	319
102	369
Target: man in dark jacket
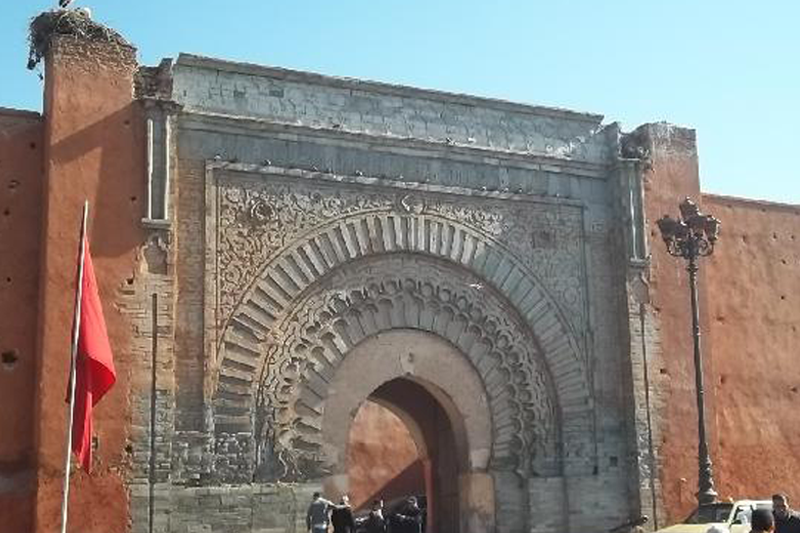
410	517
375	522
342	517
786	520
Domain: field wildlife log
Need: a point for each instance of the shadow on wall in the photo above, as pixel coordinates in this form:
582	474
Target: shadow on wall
411	481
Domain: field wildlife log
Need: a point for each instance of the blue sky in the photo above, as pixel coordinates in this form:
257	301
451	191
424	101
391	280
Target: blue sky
729	69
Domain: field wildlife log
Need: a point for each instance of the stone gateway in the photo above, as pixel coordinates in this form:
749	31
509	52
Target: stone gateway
323	284
456	259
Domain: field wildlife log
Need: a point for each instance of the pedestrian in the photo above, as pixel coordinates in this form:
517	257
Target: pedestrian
375	522
342	517
762	521
410	517
786	520
317	516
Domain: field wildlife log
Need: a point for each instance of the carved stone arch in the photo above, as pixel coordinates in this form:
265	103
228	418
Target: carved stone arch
251	327
372	305
370	297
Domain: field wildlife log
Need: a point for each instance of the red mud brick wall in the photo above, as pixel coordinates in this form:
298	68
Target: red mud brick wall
94	149
674	176
382	457
754	307
20	213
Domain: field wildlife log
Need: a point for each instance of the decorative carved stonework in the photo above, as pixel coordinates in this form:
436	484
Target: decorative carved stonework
258	216
400	292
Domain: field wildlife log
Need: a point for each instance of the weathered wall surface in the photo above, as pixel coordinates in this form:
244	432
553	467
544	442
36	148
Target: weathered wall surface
753	286
276	132
94	151
20	213
380	450
672	177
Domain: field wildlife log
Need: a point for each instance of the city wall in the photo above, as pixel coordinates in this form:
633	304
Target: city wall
91	144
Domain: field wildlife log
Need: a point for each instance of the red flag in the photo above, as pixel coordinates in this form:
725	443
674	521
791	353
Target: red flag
95	372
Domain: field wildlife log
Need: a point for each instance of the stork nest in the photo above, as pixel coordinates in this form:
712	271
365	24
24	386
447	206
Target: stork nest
77	23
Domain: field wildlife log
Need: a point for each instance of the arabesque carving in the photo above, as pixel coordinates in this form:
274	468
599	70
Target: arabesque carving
401	292
259	216
283	308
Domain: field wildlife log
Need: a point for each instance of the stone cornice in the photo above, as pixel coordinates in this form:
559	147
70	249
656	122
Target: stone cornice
411	186
222	123
311	78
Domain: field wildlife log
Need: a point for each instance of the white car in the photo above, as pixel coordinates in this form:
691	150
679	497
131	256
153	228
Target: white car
735	516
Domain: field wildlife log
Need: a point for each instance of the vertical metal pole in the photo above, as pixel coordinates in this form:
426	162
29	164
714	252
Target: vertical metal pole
153	405
76	324
705	481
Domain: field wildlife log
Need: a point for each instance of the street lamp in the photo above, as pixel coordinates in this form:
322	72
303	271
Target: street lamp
692	236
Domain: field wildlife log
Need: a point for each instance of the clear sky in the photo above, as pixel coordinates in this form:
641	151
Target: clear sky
728	68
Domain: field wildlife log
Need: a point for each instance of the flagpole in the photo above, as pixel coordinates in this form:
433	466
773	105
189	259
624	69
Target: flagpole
76	324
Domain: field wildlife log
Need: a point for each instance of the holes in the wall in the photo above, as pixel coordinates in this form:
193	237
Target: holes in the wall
774	236
129	281
13	184
613	461
744	239
32	146
663	371
8	279
9	359
133	199
783	297
127	122
129	449
783	261
6	212
723	379
793	388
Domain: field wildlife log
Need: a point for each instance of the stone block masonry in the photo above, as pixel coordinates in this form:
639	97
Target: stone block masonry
483	268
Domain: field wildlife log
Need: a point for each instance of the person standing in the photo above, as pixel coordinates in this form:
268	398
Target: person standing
786	520
410	517
762	521
342	517
375	522
317	516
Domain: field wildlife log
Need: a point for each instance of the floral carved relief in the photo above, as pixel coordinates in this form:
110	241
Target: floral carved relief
257	217
400	291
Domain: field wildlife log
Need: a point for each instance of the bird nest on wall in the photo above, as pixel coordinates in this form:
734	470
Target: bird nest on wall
74	22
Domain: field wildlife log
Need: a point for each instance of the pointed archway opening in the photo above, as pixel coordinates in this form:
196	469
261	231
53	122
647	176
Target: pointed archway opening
402	444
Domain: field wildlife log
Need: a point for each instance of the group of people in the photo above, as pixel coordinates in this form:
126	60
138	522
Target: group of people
781	519
323	513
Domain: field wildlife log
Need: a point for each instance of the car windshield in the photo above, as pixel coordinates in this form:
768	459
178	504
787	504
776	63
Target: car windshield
707	514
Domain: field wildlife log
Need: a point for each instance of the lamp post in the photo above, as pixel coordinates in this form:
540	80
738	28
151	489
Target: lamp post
692	236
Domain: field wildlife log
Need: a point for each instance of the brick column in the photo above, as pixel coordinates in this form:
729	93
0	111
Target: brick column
93	146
